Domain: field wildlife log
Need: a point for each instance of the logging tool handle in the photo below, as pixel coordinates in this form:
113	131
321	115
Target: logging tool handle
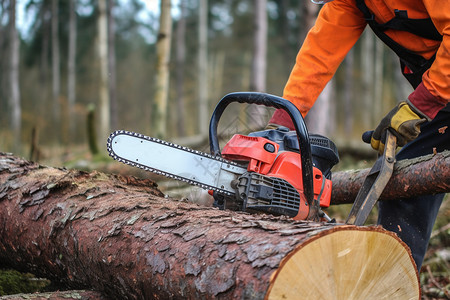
278	103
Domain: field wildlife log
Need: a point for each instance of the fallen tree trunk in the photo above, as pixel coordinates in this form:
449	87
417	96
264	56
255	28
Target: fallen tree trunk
424	175
118	235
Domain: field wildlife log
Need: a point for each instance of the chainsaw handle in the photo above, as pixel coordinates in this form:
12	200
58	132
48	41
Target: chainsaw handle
299	124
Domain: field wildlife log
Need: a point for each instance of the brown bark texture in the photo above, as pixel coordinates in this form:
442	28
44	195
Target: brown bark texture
424	175
119	236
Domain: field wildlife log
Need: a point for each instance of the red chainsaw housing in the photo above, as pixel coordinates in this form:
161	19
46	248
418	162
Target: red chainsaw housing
263	157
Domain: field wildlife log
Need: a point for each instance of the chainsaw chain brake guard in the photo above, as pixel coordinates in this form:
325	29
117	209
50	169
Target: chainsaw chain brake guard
288	171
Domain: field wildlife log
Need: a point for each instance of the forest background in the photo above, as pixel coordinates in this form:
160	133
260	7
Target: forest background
59	59
160	67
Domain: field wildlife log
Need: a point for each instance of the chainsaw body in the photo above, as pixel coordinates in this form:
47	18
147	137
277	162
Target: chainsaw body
273	182
288	172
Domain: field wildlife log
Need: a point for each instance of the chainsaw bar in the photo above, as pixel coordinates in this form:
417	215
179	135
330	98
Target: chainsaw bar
174	161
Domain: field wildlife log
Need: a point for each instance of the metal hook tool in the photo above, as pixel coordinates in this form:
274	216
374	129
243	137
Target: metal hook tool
374	184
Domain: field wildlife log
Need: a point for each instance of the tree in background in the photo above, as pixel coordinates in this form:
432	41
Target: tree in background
103	89
71	63
203	67
56	74
112	66
14	91
215	54
43	37
159	120
257	118
180	58
3	54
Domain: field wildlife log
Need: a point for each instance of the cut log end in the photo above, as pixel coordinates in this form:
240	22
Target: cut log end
348	263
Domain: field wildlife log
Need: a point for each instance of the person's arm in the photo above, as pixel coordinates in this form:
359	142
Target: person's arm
433	93
430	96
337	28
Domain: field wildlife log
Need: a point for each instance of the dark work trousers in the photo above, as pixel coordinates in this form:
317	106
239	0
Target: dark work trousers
413	219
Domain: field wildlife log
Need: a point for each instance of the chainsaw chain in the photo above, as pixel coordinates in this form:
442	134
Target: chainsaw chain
160	172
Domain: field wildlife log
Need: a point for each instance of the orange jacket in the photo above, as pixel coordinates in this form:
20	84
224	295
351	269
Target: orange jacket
339	25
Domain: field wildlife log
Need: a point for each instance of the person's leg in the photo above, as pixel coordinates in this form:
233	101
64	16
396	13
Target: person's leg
413	219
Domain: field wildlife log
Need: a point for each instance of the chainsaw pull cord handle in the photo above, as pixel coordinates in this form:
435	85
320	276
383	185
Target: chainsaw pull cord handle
300	128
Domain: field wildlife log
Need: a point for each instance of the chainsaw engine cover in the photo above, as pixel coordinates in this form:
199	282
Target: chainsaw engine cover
259	152
273	183
324	152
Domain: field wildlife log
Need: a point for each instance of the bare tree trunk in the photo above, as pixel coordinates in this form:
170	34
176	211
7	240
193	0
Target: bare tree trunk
378	80
56	75
104	101
181	61
45	16
4	111
285	30
402	88
112	66
71	71
162	77
119	235
321	117
14	92
259	63
203	116
309	12
217	74
367	66
349	95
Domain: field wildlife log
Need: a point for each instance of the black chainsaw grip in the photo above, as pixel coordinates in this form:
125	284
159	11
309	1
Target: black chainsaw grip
278	103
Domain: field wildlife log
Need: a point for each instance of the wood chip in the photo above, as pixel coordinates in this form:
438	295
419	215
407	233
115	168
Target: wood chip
442	129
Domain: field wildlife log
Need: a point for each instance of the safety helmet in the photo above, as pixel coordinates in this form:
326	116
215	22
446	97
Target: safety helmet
320	1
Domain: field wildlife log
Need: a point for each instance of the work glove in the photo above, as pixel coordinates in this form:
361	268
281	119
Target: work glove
404	121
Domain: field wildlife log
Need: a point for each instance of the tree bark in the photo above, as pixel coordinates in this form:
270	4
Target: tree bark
203	115
181	62
112	66
44	69
368	78
14	90
56	74
71	63
163	47
411	177
4	15
349	94
120	236
104	100
309	13
257	114
378	83
322	110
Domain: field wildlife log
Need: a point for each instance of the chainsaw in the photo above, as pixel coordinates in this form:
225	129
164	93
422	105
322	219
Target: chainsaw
274	171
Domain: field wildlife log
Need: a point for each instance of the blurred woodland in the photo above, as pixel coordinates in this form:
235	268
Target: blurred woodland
159	68
161	71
